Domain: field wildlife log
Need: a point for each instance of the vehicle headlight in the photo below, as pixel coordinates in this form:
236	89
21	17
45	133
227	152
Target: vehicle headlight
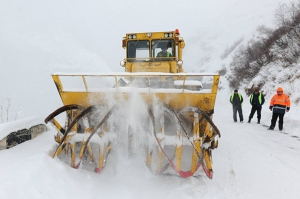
180	62
122	63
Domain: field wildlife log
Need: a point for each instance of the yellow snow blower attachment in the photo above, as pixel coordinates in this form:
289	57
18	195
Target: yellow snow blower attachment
154	109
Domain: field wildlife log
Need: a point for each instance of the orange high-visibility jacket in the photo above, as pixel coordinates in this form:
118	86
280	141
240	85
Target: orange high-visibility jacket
280	103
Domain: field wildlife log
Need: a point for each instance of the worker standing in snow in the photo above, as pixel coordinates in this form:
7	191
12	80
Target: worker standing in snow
279	104
236	99
256	100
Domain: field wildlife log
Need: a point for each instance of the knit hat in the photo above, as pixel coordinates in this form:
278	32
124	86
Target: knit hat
235	90
256	89
279	89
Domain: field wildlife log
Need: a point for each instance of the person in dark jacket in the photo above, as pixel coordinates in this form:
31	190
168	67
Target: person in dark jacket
256	100
236	99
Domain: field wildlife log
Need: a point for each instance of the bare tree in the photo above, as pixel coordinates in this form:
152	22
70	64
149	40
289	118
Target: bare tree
7	108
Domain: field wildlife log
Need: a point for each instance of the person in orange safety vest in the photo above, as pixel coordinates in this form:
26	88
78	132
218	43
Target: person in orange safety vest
279	104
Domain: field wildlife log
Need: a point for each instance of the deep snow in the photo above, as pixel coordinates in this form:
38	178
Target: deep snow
42	37
250	162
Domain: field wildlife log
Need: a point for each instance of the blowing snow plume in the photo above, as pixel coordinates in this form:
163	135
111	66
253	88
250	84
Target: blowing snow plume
166	119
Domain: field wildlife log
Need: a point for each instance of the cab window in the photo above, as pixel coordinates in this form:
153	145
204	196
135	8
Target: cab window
138	50
158	47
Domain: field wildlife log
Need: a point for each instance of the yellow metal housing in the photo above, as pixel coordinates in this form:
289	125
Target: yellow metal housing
154	72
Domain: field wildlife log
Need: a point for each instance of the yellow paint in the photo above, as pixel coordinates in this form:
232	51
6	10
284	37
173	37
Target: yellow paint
196	141
146	69
101	157
207	160
178	154
149	157
73	154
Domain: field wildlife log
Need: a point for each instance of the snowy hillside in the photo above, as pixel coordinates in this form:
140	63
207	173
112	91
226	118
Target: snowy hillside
40	38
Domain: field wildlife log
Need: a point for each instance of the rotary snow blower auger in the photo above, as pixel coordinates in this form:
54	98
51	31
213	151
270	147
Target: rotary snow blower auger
154	109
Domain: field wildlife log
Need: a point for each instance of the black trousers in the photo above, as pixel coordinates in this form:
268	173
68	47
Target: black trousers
274	119
235	110
253	110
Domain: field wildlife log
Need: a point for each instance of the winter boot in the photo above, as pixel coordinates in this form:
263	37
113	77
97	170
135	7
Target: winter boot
280	127
271	128
258	121
249	120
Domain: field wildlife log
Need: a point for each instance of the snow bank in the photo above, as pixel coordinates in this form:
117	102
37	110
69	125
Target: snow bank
27	123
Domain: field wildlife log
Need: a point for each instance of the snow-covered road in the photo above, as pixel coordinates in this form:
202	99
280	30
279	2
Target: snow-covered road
250	162
253	162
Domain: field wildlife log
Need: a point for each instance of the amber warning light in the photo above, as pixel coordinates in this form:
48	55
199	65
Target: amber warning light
124	43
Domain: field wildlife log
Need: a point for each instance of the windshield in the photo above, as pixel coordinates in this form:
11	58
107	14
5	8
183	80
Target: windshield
163	48
138	50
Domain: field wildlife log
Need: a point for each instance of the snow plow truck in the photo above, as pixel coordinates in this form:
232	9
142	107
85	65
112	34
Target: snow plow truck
153	109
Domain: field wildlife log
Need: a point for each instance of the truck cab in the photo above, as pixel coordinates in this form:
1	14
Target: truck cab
153	52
